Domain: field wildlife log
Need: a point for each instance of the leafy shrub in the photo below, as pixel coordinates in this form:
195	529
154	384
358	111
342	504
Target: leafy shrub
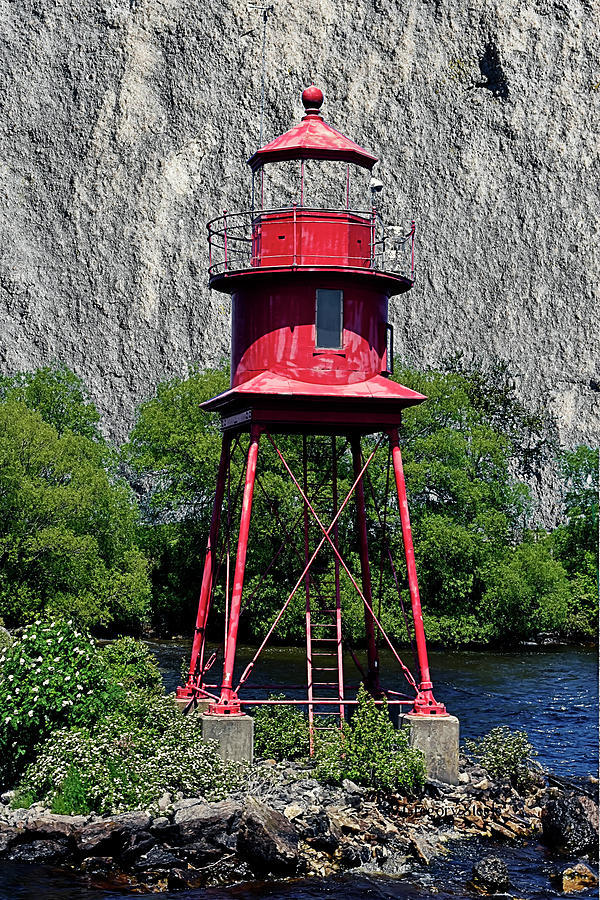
123	763
281	732
131	664
370	751
330	745
504	753
52	677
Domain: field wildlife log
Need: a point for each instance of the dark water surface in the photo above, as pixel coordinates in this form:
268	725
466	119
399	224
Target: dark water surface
530	867
552	693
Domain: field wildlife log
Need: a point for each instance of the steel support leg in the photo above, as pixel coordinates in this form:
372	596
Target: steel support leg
425	703
309	662
229	703
206	589
372	685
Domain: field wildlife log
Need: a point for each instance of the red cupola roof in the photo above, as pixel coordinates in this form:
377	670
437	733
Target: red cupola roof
312	138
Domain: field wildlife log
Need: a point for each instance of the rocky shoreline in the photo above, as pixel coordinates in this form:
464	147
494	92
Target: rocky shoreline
284	823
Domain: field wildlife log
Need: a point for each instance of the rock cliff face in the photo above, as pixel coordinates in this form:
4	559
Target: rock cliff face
126	125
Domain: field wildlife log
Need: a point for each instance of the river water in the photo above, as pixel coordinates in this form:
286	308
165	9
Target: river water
551	693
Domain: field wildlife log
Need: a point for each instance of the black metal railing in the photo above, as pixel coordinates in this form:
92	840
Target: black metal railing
236	241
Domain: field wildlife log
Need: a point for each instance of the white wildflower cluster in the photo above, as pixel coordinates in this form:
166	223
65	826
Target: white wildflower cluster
49	677
121	766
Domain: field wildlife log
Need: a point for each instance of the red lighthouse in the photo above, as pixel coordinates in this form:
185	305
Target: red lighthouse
311	354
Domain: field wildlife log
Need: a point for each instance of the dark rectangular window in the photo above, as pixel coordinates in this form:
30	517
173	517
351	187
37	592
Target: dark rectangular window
329	318
389	348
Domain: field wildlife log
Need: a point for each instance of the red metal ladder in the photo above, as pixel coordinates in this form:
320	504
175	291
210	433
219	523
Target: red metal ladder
324	651
325	672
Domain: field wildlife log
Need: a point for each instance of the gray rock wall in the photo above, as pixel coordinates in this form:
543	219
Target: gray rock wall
125	126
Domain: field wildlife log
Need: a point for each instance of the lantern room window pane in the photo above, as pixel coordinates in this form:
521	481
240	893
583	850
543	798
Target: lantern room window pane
329	318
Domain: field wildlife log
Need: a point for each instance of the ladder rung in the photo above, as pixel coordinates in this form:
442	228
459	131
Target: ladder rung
325	684
324	668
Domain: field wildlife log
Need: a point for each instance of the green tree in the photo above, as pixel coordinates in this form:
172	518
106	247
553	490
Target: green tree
505	754
132	665
174	450
575	543
461	449
281	732
470	512
67	527
532	434
87	729
577	540
527	592
458	457
58	395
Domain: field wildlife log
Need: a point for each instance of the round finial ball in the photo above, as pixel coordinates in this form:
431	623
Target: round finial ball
312	97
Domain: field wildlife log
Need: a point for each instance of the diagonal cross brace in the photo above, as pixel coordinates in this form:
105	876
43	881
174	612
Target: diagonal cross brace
326	532
326	537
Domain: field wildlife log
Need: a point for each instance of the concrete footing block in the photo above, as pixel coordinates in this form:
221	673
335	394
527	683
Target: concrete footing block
234	734
438	738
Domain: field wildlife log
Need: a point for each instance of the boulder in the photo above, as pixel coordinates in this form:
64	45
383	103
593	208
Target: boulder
491	874
355	855
40	852
106	837
136	845
98	866
202	853
50	827
318	831
342	820
189	801
181	878
165	830
133	821
351	788
165	801
8	834
577	878
213	824
570	823
425	845
159	858
267	840
293	810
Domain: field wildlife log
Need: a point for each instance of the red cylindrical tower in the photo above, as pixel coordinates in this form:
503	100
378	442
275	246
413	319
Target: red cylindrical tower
311	353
